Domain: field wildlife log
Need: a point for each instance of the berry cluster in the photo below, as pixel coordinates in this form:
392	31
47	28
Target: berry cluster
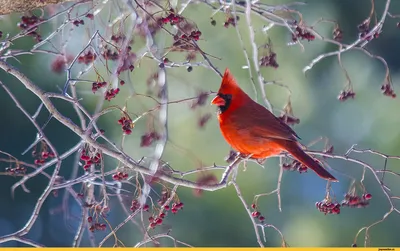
110	55
16	170
195	35
337	34
176	207
148	138
300	33
117	38
156	221
269	60
96	159
126	124
136	205
184	38
87	58
363	29
203	120
230	21
289	119
387	90
257	214
110	94
182	44
78	22
30	23
98	85
103	210
42	157
120	176
97	227
327	207
295	166
344	95
351	200
172	18
201	99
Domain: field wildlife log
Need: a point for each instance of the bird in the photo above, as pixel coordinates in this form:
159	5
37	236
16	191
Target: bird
254	131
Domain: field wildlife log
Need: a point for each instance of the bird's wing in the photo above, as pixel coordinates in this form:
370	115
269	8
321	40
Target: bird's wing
263	124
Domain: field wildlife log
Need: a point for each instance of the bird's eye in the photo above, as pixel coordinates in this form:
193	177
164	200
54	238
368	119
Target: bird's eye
226	97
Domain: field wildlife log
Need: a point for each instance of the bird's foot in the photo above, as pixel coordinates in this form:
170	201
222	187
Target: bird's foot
261	161
244	156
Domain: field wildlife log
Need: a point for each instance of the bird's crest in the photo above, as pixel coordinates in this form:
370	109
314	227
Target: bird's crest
229	84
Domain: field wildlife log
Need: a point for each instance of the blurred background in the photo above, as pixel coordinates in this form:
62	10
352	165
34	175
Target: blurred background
218	218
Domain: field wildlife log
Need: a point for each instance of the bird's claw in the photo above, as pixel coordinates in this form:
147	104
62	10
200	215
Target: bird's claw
261	161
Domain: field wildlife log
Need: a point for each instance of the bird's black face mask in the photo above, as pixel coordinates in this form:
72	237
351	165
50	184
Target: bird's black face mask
228	99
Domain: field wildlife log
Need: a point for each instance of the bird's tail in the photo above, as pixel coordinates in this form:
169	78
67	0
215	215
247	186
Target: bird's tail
295	150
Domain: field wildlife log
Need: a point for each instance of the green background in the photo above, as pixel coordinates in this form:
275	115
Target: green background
218	218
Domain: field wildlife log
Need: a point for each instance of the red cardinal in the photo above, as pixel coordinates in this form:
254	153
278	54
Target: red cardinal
252	129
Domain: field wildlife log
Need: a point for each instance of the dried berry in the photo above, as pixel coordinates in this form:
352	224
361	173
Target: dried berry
344	95
327	207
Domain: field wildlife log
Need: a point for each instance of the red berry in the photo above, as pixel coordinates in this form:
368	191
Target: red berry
367	196
253	206
146	207
159	221
261	218
45	155
90	219
255	214
162	215
151	219
174	210
336	210
90	16
85	157
166	207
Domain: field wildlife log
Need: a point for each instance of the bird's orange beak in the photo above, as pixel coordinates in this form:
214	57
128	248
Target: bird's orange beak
218	101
